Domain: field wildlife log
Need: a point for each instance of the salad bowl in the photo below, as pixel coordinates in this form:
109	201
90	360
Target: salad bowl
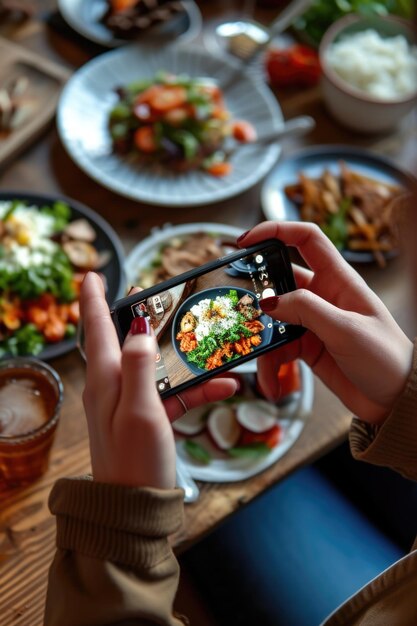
211	294
48	273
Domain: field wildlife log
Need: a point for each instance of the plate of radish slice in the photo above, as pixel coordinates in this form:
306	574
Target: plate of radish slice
238	438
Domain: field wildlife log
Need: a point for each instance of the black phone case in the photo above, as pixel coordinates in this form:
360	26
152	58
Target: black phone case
293	332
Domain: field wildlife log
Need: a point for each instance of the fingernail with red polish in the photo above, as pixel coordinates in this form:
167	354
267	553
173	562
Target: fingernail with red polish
269	304
140	326
242	236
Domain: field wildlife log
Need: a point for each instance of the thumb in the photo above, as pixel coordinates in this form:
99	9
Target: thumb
304	308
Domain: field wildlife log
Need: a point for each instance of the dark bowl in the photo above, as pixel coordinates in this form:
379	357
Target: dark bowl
106	240
212	293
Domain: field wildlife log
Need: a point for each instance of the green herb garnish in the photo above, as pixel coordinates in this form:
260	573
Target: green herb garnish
336	226
252	451
197	452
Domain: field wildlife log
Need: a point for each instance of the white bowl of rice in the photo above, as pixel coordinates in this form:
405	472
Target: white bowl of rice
369	81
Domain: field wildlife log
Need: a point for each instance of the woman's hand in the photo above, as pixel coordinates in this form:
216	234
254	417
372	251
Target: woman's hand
131	439
353	344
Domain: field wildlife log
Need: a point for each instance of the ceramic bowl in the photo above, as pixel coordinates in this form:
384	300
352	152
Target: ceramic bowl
353	108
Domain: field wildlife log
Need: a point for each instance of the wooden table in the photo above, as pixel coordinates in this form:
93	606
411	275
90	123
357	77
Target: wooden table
26	528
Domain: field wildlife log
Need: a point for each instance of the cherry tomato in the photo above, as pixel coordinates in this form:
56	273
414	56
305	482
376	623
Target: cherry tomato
144	139
243	131
270	438
297	65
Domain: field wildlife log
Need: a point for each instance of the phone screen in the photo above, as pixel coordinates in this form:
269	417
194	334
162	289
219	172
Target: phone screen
214	319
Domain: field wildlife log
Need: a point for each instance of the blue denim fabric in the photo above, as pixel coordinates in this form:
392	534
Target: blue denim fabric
290	557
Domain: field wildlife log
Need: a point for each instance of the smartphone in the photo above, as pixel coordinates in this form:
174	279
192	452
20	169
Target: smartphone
208	320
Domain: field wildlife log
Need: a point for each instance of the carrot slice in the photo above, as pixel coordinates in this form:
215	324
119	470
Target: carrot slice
220	168
169	97
144	139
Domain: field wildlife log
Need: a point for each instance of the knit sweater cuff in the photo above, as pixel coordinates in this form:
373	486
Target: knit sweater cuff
394	443
127	525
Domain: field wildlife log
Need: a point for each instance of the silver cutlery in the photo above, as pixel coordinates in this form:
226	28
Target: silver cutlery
184	480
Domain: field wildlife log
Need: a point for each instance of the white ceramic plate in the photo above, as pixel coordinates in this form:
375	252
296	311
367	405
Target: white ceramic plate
84	17
144	253
224	470
89	96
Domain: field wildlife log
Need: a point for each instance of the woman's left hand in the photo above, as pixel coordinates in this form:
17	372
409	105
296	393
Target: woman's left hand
131	438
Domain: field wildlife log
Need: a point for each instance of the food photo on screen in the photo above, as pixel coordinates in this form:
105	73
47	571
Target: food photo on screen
210	321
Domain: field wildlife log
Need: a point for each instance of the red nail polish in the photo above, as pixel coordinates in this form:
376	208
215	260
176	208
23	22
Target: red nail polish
242	236
140	326
269	304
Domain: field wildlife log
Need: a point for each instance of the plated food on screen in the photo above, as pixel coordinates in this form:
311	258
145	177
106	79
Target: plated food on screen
237	438
212	331
355	211
45	251
179	253
177	122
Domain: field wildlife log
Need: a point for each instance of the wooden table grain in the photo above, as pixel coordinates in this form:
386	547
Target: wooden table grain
26	528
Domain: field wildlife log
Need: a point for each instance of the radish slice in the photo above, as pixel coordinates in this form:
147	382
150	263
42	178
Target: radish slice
223	427
192	423
257	416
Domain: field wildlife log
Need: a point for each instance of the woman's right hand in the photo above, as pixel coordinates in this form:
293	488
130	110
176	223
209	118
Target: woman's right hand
352	342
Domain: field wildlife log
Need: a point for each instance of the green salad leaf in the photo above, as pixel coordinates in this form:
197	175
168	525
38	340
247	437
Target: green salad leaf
60	212
197	452
25	340
54	277
314	22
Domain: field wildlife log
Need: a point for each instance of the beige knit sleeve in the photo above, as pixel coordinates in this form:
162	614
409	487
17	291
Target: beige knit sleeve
113	563
394	444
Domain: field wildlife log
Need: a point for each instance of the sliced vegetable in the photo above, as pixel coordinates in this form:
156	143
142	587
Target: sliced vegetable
197	451
289	378
257	416
270	438
251	451
192	423
223	427
145	139
167	98
220	169
243	131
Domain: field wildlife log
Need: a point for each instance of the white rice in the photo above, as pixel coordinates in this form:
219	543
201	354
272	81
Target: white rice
205	325
384	68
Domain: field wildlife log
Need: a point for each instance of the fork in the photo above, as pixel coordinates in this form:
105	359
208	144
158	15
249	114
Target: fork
297	126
